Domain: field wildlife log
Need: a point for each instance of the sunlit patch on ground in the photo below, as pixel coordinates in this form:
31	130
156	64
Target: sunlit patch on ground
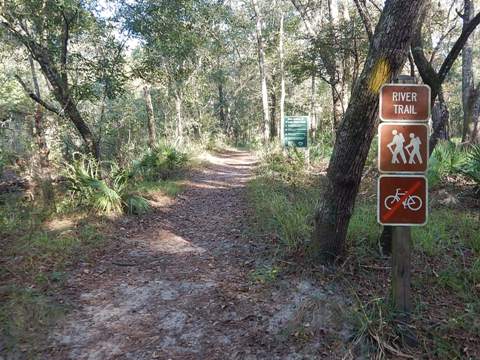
168	242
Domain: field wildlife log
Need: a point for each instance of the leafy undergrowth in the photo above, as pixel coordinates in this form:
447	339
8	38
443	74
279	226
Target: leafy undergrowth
446	262
40	248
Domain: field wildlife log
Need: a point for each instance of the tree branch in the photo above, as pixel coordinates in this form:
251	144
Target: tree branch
306	19
36	98
362	11
63	55
457	47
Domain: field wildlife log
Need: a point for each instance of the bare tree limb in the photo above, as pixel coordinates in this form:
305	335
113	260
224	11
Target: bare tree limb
36	98
457	47
440	42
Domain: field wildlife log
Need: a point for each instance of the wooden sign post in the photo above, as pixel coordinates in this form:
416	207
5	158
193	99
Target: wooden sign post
403	193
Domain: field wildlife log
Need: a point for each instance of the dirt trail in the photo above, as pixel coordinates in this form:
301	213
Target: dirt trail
178	286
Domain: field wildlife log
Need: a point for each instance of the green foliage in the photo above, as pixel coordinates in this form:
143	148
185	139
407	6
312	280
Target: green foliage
322	148
471	165
447	159
160	162
110	193
265	274
168	187
288	165
282	213
363	229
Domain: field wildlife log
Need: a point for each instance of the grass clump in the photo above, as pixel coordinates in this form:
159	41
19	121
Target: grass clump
282	198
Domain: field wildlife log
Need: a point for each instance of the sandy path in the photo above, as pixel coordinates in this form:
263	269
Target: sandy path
178	286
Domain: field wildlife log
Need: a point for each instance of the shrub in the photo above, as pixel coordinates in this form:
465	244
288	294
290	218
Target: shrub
105	193
447	159
471	165
160	162
288	165
322	148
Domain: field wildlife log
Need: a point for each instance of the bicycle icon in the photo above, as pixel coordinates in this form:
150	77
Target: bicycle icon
412	202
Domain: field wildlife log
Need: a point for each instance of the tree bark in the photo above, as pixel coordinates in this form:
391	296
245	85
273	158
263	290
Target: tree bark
263	73
335	68
282	77
40	139
152	133
313	115
467	72
179	120
273	116
387	55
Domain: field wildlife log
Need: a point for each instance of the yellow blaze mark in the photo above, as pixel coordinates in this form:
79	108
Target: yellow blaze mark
380	74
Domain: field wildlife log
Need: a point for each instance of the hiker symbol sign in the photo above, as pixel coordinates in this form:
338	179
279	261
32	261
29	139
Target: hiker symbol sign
403	147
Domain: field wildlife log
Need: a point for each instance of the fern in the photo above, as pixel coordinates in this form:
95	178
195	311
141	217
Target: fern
471	167
108	194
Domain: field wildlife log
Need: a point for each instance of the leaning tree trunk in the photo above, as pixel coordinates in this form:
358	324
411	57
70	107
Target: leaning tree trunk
61	92
387	55
152	133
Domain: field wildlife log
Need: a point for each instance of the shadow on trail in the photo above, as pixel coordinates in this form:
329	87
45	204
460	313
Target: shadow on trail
178	284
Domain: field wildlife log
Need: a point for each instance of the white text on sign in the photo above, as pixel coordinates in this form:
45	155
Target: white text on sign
405	97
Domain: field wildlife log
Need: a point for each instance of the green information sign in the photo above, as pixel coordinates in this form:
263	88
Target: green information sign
295	131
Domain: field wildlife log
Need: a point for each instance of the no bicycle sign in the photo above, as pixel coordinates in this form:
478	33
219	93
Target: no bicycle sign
403	200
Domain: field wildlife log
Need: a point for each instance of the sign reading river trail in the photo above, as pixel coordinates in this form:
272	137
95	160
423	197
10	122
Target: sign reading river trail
404	102
295	131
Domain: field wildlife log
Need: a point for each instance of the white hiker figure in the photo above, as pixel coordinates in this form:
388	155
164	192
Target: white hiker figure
398	141
415	143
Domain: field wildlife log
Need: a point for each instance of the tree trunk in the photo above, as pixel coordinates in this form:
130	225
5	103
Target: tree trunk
440	119
475	135
61	92
282	77
263	73
313	115
273	117
179	120
335	68
152	133
43	150
386	57
48	196
222	113
467	72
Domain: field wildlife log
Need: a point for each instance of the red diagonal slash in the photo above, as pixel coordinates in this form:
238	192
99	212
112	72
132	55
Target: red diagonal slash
409	192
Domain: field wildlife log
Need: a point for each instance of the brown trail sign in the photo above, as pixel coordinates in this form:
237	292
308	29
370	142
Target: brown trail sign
402	200
402	147
404	102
